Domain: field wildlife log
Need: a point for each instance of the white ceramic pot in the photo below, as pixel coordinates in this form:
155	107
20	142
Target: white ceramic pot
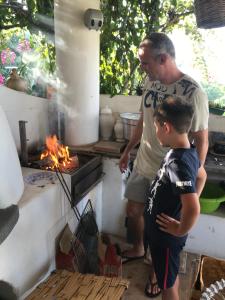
106	123
118	130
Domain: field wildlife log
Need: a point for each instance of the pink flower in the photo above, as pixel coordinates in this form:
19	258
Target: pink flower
12	57
23	46
2	78
8	56
3	56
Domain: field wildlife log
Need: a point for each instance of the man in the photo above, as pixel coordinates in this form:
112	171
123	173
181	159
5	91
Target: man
157	58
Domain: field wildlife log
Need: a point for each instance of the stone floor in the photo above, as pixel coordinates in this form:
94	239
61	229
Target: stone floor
137	273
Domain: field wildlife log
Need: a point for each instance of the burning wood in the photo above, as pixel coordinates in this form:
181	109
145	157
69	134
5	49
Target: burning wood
57	156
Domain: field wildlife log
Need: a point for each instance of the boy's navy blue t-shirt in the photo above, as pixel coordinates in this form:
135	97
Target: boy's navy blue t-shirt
176	176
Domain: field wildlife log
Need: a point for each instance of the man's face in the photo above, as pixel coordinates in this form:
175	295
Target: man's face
148	63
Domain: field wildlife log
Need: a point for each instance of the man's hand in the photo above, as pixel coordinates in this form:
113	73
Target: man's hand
123	163
168	224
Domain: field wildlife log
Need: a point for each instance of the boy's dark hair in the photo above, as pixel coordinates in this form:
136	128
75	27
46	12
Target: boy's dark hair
175	111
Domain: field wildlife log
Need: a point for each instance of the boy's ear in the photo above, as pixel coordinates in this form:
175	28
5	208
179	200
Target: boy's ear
167	127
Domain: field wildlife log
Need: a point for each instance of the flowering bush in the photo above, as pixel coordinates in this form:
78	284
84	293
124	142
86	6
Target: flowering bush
31	54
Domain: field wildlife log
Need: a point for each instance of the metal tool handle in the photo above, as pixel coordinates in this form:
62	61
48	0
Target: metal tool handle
23	143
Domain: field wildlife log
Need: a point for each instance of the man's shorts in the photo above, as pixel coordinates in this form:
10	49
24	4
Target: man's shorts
166	262
137	187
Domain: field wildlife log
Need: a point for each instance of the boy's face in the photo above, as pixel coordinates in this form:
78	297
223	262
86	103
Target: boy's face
162	133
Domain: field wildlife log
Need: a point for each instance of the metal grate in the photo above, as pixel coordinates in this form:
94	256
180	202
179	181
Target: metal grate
87	234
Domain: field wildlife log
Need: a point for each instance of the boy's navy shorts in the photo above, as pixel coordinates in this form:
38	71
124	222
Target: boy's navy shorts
166	262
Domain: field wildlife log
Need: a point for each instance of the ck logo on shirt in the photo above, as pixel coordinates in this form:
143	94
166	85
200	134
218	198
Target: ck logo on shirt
153	98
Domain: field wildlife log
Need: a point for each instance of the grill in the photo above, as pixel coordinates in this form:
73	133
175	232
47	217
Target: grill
82	179
86	176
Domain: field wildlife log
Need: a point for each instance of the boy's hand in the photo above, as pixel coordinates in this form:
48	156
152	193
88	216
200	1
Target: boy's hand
168	224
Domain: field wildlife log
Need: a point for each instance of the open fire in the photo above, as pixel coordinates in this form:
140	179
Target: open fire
84	170
57	156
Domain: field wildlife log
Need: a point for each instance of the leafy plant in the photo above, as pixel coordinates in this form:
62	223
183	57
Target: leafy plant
27	22
31	54
215	93
34	15
125	25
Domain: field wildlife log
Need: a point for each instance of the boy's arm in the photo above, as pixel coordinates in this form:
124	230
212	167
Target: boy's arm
190	204
189	214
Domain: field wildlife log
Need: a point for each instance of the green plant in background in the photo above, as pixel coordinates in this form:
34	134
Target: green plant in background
34	15
215	92
125	25
216	96
27	40
30	54
31	22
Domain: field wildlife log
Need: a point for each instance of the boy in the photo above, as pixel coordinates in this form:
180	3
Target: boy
173	205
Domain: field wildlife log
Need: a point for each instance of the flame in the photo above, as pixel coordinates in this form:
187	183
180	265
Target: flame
58	155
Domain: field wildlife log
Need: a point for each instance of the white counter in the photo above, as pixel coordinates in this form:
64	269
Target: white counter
28	253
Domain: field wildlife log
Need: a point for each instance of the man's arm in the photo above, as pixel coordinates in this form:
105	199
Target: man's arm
200	180
135	139
201	142
189	214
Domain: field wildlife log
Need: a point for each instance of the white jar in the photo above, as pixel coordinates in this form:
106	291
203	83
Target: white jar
106	123
118	130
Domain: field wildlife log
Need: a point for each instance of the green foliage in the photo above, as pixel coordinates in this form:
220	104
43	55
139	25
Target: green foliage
16	15
31	25
216	94
34	55
125	25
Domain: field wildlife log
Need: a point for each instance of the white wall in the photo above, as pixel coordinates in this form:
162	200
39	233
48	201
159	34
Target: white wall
20	106
217	123
120	104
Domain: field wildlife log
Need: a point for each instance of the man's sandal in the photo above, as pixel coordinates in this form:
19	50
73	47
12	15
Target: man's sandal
150	286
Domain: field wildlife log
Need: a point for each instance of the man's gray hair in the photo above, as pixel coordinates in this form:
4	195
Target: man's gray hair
159	43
